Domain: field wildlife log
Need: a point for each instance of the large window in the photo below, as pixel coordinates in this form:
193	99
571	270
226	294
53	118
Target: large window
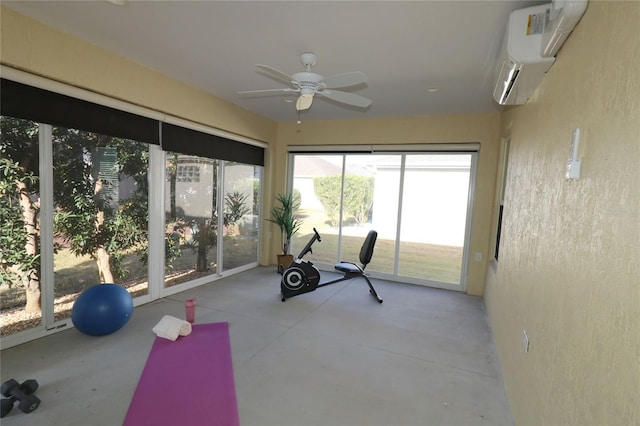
90	194
241	214
418	203
198	242
20	295
99	223
502	189
190	217
100	199
434	217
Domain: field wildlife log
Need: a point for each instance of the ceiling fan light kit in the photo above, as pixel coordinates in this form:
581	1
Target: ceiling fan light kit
304	102
308	84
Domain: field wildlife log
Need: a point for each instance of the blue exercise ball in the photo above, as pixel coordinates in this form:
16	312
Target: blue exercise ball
102	309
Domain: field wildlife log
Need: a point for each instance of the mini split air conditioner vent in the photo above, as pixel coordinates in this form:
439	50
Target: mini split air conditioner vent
510	80
532	38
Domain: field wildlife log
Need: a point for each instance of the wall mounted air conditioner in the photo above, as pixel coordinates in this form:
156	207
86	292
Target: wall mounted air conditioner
521	67
532	38
563	17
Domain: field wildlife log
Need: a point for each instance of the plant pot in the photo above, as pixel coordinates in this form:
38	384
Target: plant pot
284	260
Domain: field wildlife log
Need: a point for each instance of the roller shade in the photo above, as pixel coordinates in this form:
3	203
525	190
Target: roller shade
380	148
43	106
46	106
192	142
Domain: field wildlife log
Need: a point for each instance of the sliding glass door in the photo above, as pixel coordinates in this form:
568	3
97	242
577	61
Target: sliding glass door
100	198
20	242
241	214
190	217
317	180
93	193
198	241
76	209
434	217
418	203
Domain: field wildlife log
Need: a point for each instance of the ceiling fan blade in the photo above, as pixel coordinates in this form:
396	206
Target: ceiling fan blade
346	98
277	74
345	80
267	92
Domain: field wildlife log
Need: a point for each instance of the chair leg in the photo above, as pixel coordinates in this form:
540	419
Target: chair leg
372	290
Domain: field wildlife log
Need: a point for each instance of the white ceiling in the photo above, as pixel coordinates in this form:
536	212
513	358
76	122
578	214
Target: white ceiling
404	47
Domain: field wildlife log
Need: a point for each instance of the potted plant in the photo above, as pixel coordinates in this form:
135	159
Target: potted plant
283	215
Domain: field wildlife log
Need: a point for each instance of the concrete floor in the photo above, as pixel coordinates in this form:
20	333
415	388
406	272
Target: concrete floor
331	357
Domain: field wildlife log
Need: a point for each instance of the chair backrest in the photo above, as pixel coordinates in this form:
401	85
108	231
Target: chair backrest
366	252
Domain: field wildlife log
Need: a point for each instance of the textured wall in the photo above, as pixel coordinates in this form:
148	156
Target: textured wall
569	269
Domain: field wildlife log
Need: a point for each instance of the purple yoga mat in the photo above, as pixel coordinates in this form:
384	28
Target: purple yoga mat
187	382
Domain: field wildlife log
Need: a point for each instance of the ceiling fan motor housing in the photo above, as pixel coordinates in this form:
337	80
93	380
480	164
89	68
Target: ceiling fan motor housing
307	78
308	59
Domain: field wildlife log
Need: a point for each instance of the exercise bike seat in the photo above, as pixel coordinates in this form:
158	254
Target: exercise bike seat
351	270
366	253
348	268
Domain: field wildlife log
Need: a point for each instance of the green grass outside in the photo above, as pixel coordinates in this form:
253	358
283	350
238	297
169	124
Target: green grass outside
73	274
417	260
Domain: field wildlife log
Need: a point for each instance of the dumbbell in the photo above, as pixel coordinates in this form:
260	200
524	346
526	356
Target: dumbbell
19	392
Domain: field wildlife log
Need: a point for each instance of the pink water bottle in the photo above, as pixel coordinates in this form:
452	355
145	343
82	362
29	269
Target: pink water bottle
190	307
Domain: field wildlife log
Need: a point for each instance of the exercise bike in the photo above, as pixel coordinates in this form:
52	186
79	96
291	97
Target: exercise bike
303	277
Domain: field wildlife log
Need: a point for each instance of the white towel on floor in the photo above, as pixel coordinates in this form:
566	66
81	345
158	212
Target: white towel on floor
171	327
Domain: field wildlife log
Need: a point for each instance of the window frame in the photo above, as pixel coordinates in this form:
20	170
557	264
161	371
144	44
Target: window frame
81	98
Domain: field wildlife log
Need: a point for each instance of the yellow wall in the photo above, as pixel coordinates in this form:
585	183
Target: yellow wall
31	46
569	259
482	128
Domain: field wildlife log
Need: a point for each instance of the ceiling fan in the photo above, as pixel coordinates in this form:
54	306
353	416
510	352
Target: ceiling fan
309	84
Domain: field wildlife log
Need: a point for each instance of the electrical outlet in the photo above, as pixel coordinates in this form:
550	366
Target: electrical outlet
525	341
478	256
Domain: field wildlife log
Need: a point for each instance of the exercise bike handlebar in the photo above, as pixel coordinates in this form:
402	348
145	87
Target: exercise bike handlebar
307	248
